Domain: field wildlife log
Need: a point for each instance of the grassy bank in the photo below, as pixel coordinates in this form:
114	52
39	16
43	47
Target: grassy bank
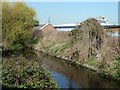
70	52
21	71
101	73
0	64
87	45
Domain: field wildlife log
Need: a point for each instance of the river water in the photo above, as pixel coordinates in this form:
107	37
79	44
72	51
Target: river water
68	76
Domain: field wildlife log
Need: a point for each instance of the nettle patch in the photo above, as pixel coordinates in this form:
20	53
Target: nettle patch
116	67
21	73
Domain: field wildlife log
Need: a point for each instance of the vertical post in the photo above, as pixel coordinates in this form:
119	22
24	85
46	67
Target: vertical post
119	33
49	20
0	45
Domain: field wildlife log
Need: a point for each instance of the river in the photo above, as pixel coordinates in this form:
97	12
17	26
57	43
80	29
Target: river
69	76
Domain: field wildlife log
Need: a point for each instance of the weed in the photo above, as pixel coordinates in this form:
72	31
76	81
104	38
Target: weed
91	60
35	41
51	45
64	47
101	66
56	50
117	58
117	67
18	72
93	32
116	75
48	40
75	57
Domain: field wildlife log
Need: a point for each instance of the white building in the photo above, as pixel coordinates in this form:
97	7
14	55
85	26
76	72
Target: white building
68	27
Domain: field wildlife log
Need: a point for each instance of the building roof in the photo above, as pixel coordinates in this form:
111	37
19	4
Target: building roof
64	25
39	27
43	26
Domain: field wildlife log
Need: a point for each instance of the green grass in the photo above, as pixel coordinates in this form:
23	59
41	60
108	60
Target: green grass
35	41
48	40
91	60
51	48
117	58
92	64
75	57
64	47
56	50
51	45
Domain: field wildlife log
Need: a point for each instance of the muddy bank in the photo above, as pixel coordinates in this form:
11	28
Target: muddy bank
87	45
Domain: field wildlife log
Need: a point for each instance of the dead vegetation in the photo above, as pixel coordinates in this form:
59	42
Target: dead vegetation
87	44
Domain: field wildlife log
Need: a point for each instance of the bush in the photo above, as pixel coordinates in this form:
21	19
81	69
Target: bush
17	23
21	73
117	67
18	47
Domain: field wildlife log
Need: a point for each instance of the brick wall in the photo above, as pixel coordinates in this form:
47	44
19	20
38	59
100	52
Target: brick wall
113	29
39	33
48	27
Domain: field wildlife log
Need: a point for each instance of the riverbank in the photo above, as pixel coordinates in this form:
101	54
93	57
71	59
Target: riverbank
74	76
87	45
23	71
79	65
0	65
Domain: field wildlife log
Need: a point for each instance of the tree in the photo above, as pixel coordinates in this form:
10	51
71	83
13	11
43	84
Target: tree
0	23
17	23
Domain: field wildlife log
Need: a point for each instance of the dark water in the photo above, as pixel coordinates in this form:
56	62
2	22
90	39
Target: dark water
68	76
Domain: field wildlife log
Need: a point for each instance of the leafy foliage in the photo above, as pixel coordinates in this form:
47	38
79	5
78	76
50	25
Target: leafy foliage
117	67
117	58
17	22
91	60
19	72
76	57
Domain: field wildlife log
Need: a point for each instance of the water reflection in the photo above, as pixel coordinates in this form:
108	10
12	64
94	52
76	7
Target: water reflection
68	76
63	81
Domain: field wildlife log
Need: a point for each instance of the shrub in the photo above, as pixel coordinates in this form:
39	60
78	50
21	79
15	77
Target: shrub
117	67
21	73
17	23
